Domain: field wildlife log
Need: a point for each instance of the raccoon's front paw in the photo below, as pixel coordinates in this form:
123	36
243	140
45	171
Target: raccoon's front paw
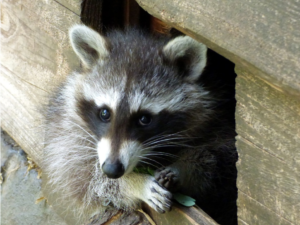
167	178
157	197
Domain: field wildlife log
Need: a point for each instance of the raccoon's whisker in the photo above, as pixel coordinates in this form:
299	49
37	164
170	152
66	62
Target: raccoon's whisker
82	158
161	157
84	141
166	143
84	130
161	154
169	144
73	138
84	147
79	152
151	160
155	146
181	139
155	166
160	137
164	140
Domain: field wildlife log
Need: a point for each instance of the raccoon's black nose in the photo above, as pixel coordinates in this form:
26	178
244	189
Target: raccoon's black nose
113	170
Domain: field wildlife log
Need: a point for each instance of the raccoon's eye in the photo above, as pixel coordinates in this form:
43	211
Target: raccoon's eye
104	115
145	120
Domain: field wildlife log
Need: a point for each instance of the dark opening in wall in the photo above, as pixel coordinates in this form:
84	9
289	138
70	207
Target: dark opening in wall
218	77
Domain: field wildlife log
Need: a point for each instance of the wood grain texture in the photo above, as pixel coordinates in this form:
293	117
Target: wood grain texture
35	57
261	35
268	124
71	5
180	215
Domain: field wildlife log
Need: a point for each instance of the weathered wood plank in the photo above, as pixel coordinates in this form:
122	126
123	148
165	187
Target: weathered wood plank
263	215
261	35
268	124
35	57
73	6
181	215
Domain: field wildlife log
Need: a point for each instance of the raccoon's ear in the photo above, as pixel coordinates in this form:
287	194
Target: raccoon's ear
88	45
188	55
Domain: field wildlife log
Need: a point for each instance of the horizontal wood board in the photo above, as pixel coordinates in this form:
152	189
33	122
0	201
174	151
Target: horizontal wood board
180	215
35	57
268	124
261	35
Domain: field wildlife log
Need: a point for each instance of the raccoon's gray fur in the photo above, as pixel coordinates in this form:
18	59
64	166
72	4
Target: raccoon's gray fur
138	101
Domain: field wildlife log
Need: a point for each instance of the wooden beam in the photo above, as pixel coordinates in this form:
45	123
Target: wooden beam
260	35
268	124
180	215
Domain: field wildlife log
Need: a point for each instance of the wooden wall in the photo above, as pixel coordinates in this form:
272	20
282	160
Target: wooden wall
35	57
262	38
268	124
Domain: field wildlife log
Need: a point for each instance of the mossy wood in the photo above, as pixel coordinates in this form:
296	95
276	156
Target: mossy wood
262	39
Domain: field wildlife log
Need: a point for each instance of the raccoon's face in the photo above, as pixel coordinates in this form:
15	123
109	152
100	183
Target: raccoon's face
138	95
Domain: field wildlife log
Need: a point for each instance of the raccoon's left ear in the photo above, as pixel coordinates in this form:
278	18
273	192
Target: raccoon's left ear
89	45
188	55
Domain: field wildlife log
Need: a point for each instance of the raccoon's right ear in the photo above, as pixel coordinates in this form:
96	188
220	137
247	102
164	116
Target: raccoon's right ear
187	55
89	45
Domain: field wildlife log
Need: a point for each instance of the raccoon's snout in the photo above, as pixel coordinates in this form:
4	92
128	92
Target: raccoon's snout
113	170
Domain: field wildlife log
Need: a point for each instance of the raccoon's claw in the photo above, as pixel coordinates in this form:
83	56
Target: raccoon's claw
167	178
158	197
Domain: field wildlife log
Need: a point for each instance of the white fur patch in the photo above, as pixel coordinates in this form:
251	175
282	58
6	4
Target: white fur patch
103	149
154	105
104	93
171	101
109	97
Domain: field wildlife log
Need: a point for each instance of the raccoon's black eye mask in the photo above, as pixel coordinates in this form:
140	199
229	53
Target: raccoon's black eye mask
143	119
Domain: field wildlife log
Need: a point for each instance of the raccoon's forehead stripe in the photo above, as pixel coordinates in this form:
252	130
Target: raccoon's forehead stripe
165	101
107	96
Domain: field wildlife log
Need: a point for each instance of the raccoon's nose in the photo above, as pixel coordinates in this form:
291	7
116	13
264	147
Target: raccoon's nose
113	170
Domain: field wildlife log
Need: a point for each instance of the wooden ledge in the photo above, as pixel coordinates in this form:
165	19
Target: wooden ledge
179	215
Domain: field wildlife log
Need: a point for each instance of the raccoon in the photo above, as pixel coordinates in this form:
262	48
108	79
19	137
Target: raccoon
140	100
